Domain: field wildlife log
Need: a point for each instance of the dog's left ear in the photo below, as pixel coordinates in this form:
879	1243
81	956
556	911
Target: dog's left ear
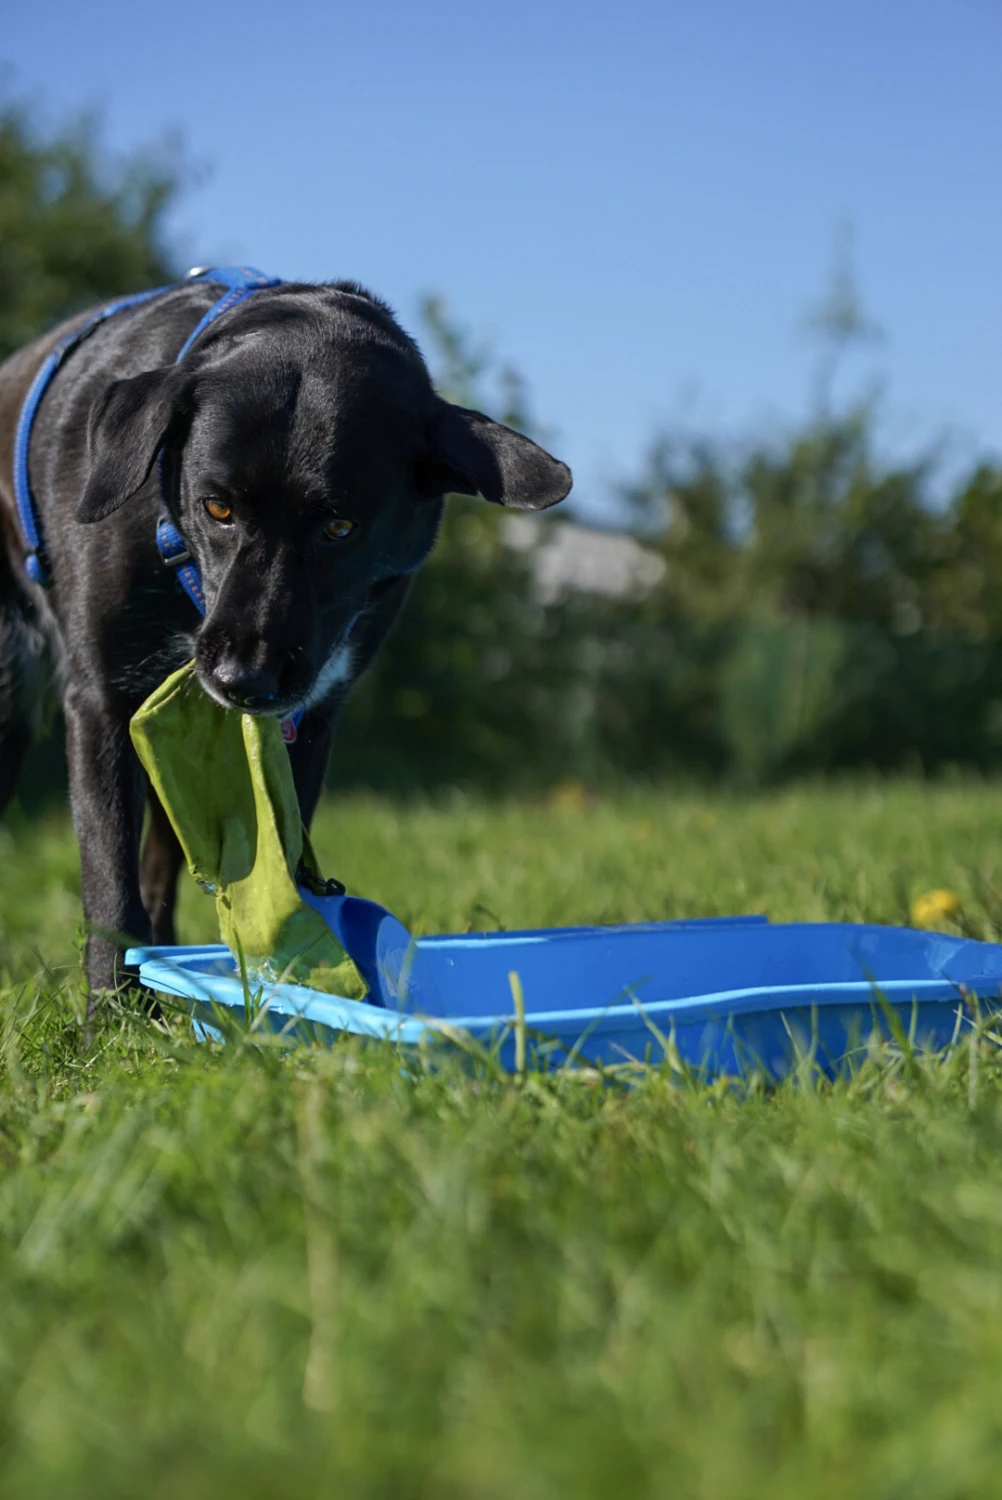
128	427
468	454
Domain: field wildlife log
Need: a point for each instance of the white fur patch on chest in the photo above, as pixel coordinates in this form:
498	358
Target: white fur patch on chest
335	672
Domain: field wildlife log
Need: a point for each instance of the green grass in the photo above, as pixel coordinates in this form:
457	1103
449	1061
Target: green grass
325	1273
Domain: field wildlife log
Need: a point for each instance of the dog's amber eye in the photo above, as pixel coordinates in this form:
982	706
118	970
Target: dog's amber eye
339	529
219	510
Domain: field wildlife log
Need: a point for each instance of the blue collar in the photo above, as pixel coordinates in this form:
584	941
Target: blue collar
240	282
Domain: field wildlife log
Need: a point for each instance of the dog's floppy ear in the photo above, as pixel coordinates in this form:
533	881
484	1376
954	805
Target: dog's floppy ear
468	454
128	427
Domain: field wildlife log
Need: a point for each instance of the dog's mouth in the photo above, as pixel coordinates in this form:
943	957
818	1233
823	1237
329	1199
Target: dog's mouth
248	694
265	691
260	690
246	701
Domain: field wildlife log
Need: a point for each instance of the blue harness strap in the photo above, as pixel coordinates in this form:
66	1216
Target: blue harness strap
36	563
240	282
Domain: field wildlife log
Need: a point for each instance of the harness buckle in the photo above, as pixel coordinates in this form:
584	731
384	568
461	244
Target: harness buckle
173	549
37	569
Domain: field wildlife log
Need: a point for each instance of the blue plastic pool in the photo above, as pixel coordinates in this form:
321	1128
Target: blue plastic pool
733	994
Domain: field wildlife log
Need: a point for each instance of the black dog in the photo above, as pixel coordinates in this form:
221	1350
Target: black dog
305	456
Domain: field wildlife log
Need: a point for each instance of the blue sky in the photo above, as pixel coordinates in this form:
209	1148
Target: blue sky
637	202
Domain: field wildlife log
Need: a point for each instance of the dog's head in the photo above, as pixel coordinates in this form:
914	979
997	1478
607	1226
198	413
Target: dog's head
304	456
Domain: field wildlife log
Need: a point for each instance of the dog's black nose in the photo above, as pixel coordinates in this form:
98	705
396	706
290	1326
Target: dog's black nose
254	689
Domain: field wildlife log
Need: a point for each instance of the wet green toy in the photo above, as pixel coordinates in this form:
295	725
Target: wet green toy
225	782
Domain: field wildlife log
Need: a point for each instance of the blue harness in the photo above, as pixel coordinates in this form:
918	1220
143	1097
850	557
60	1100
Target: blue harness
240	282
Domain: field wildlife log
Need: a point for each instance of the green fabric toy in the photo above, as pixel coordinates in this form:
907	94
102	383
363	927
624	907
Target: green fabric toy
225	782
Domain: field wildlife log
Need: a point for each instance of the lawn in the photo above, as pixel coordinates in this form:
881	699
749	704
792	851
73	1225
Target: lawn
329	1272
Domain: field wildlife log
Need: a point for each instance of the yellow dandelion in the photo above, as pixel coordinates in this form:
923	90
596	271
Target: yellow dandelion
568	796
933	908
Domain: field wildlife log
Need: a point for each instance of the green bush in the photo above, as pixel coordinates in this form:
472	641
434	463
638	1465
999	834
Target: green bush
817	612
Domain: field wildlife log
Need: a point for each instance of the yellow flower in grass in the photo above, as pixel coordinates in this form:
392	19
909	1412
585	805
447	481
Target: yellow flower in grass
933	908
568	796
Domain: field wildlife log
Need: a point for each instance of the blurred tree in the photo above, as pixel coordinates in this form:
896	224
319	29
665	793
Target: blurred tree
74	227
838	322
828	612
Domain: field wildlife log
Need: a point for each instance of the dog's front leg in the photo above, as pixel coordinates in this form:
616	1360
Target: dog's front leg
106	795
310	755
159	866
